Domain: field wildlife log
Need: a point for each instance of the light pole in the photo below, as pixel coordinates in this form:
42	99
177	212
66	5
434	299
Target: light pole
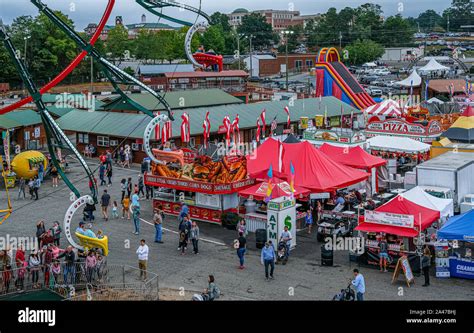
286	33
24	57
251	56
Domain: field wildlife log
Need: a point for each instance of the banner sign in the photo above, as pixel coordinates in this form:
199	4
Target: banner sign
197	213
333	136
461	268
404	128
196	186
396	220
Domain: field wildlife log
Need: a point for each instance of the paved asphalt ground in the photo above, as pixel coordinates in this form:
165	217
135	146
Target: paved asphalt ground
303	278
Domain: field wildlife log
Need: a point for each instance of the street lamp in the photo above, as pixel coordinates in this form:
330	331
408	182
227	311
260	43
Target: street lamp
286	33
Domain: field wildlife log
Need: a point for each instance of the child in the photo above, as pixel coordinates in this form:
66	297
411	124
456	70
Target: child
21	276
115	214
56	270
183	242
126	207
100	234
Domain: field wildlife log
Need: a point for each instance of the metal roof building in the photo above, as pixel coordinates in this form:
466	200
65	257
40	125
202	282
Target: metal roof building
133	125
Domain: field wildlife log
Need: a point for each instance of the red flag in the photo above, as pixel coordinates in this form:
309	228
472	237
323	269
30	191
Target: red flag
164	134
208	124
288	120
205	132
235	128
185	135
264	124
227	126
258	130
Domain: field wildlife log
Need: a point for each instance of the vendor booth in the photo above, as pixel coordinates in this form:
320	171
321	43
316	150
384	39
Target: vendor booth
459	234
387	108
405	223
422	198
343	137
256	208
358	158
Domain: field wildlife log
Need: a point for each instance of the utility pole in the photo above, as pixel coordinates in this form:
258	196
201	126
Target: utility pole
447	23
286	33
251	56
340	40
24	58
92	75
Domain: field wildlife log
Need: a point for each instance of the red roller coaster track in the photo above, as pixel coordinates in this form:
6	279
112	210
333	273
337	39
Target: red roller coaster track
61	76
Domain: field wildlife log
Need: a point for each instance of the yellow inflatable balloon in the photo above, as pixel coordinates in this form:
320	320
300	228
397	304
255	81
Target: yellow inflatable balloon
25	164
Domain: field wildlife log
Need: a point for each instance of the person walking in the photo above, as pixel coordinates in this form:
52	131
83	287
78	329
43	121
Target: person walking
36	186
141	185
56	231
136	212
105	203
126	207
241	249
41	172
184	231
158	220
268	258
102	174
142	253
108	174
425	265
129	187
55	176
195	237
123	188
359	283
31	186
21	188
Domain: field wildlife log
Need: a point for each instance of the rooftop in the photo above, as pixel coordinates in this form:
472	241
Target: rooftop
449	161
164	68
133	125
230	73
442	86
176	99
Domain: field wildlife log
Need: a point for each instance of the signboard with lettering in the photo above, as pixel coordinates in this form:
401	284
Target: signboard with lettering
189	155
401	127
396	220
333	136
281	213
403	265
196	186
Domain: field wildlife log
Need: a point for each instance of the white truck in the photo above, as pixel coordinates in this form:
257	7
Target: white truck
450	175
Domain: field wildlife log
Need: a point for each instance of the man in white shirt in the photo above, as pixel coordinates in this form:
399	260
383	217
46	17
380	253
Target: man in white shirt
286	237
142	253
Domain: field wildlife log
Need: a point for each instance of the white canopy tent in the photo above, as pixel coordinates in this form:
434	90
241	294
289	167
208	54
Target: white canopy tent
420	197
433	65
397	144
435	100
413	80
369	64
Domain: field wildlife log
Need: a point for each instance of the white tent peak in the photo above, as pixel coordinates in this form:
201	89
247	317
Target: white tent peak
420	197
433	65
413	80
397	143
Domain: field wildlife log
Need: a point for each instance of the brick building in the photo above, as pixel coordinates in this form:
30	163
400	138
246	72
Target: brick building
268	65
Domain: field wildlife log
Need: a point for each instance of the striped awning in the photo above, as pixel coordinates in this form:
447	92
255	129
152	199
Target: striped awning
35	160
386	108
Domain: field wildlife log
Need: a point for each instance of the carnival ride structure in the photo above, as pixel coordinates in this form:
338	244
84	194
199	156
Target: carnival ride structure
198	59
5	212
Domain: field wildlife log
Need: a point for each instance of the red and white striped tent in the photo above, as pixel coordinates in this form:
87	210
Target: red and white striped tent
386	108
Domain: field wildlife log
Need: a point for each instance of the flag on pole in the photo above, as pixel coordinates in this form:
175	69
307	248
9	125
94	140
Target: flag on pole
273	126
157	129
268	196
185	135
292	180
258	131
236	130
288	120
205	132
164	134
264	124
227	126
208	124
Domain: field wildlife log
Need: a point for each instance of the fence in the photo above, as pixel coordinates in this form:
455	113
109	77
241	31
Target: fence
77	282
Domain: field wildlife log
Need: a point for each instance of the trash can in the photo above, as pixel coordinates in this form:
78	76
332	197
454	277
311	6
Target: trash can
260	237
327	256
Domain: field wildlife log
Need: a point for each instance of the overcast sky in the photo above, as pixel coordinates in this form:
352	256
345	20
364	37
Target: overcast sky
87	11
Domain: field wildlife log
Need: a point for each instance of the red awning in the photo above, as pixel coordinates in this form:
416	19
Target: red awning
313	169
281	189
316	171
423	217
355	157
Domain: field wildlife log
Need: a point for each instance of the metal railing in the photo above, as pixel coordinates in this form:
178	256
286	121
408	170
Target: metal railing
78	282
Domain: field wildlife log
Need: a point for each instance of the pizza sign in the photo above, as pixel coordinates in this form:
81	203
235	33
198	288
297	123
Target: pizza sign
401	126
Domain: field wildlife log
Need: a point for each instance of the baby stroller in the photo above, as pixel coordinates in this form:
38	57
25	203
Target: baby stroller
346	295
281	253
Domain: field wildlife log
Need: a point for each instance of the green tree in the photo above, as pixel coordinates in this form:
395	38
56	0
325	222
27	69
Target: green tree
428	20
362	51
221	19
214	39
256	25
117	42
397	32
461	12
